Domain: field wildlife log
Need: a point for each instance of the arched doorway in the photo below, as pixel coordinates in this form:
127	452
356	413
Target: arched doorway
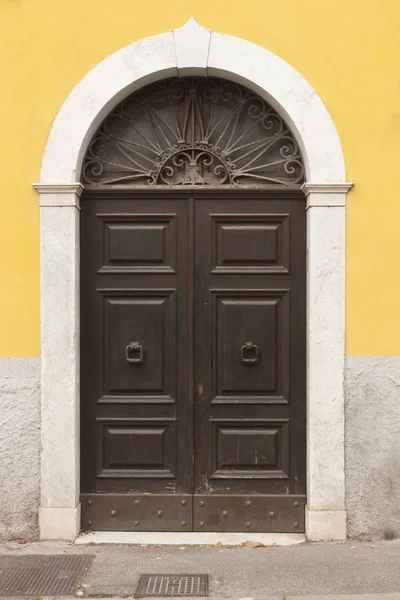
193	316
191	50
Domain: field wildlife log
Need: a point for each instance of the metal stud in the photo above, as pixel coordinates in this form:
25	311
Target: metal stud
248	524
136	523
295	524
183	502
113	513
271	514
90	523
295	503
136	503
183	523
201	523
160	513
224	514
90	502
248	503
202	503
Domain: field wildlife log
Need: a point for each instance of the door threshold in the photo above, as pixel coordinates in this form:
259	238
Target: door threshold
189	538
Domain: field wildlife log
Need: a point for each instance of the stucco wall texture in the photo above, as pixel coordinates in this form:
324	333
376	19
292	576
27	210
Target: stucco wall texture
19	447
372	432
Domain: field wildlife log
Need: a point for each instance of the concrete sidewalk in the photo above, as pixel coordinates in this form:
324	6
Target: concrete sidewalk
349	568
340	597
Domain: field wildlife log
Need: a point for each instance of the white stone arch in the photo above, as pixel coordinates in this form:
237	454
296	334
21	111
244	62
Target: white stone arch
192	50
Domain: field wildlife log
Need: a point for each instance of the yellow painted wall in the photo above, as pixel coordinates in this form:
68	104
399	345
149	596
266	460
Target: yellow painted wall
349	52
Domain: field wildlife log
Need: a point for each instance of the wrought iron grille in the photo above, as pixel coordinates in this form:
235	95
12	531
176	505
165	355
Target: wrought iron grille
193	131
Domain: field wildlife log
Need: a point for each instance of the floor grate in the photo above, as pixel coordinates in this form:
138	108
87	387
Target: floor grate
41	575
172	585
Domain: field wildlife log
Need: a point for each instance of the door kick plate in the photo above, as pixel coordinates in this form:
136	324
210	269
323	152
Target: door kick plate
267	514
163	512
136	512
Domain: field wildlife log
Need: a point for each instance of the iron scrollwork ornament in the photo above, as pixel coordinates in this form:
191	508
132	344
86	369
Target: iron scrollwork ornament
193	131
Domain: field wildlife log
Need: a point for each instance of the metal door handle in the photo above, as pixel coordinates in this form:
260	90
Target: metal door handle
249	348
134	348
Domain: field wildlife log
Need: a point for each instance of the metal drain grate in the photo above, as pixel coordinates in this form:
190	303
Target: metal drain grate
172	585
44	575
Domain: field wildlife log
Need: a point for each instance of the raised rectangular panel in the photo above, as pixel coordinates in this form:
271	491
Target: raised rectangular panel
147	318
262	318
121	445
136	447
250	243
138	243
250	448
246	448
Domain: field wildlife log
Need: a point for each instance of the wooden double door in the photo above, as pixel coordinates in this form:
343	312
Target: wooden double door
193	360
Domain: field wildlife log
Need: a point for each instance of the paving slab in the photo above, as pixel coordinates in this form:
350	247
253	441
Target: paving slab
319	570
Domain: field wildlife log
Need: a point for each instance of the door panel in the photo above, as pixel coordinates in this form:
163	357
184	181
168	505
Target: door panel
249	243
131	448
250	353
255	448
144	243
193	360
249	348
148	316
136	405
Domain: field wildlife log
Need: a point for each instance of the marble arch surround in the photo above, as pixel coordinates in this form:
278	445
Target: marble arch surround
192	50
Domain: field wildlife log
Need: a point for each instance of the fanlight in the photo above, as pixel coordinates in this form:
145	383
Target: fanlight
193	131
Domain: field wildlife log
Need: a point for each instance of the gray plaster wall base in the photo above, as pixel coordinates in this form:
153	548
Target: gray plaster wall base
19	447
373	446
